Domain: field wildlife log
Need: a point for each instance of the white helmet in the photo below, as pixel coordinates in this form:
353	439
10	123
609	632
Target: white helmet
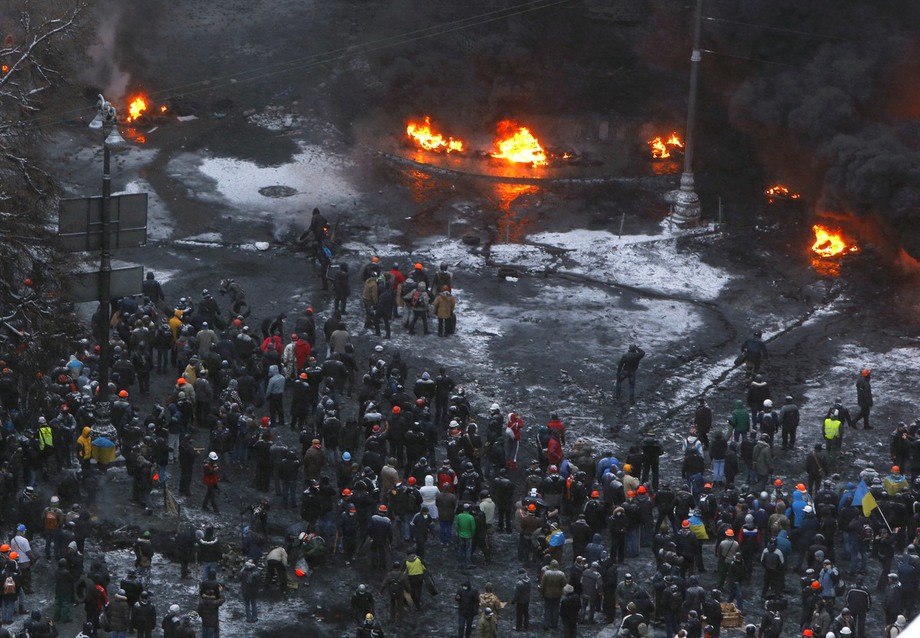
494	407
767	403
213	456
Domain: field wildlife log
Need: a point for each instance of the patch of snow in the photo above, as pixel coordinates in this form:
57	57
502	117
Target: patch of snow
160	222
276	118
205	238
317	175
645	261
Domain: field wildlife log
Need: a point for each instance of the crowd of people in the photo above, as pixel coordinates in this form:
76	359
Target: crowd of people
357	457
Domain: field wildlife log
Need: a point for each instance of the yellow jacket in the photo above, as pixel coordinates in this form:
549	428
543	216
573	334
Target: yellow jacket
85	445
415	567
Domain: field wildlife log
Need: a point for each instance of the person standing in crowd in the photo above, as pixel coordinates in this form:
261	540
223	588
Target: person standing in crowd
211	480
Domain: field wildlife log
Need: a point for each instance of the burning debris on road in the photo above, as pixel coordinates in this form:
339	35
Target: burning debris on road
663	149
779	193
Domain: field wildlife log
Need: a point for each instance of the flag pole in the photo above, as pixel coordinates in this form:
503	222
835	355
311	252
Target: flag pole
882	514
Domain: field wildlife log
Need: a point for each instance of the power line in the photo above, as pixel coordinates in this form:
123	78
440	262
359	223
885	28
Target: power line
780	29
741	57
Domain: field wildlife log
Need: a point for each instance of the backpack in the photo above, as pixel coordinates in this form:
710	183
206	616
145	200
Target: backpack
9	585
416	297
163	335
50	520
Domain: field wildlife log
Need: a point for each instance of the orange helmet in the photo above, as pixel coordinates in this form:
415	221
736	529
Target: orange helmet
14	555
4	548
418	266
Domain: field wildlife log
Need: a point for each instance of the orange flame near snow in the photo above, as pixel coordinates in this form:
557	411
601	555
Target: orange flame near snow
829	243
429	140
517	144
136	108
4	68
662	149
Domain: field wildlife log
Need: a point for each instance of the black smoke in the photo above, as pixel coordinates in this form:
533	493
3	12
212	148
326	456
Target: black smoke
816	91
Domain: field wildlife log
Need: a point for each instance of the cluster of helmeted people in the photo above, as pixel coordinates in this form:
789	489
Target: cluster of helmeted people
414	468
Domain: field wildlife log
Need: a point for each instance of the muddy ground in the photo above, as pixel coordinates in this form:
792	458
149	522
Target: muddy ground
545	338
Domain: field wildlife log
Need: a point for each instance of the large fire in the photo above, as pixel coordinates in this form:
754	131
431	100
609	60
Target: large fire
429	140
517	144
830	243
136	107
662	149
779	192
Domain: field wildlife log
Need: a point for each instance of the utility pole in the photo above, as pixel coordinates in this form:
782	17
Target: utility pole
686	201
107	120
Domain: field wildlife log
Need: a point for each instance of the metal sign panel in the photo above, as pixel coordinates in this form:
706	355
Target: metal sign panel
80	222
124	282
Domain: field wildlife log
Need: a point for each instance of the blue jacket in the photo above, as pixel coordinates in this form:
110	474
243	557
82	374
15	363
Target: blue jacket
795	511
275	381
783	544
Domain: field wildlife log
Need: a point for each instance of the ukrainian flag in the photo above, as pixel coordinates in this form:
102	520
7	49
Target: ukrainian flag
863	497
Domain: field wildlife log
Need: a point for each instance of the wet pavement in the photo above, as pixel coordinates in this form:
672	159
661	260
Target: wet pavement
545	338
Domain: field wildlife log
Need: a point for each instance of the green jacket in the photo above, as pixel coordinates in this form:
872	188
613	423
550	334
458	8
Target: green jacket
740	420
465	525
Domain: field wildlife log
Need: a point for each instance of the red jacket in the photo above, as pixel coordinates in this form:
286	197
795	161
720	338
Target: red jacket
301	353
211	474
557	426
273	341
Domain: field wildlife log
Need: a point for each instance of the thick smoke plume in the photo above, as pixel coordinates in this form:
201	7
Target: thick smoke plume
823	106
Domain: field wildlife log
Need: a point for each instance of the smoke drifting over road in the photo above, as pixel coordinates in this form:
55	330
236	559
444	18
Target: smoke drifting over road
823	93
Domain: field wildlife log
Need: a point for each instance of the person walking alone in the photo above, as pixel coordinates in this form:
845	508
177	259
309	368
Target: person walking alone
626	370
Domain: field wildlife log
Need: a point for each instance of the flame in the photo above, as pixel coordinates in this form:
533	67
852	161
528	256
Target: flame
662	149
429	140
779	192
659	149
5	68
163	109
136	107
517	144
829	243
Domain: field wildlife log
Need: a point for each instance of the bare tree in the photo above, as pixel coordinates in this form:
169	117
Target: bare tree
37	52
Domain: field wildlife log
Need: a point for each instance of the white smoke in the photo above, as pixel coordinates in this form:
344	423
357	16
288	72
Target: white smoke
105	70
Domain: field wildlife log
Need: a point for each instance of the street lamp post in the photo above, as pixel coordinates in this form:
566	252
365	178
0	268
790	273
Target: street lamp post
107	120
686	201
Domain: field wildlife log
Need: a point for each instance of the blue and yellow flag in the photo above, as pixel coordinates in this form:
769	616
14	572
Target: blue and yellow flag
863	497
